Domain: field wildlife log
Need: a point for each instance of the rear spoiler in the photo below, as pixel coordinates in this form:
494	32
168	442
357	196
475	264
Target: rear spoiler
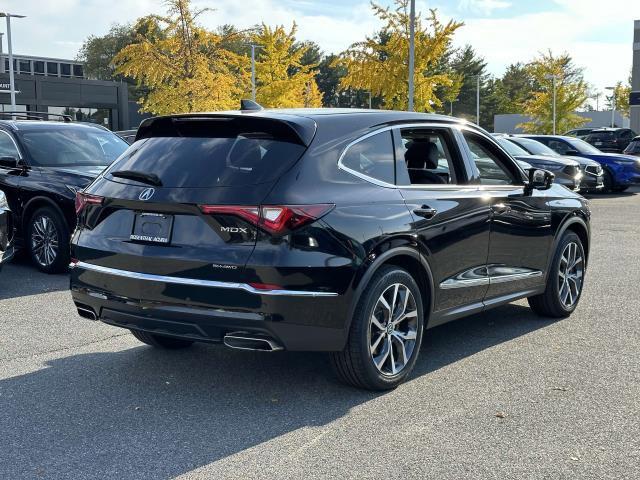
293	128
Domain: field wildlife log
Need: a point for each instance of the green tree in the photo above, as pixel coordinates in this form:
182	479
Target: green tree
282	80
185	67
621	93
379	63
571	94
97	52
515	88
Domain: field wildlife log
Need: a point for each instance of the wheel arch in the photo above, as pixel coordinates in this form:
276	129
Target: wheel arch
34	204
577	224
406	258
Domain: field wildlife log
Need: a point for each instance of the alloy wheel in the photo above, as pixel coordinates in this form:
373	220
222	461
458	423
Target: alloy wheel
570	274
393	329
44	240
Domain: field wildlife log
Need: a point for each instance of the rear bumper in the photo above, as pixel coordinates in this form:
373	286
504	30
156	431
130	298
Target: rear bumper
207	311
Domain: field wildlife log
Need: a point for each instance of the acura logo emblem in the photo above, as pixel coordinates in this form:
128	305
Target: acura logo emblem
146	194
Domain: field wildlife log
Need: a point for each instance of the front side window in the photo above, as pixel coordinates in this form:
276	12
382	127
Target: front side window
426	157
373	157
490	166
7	147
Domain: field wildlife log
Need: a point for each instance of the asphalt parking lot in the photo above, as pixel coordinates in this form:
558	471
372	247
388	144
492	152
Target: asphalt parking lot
499	395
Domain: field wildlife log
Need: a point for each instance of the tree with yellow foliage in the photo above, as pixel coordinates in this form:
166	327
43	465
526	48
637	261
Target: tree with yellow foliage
282	81
571	94
621	93
379	64
184	67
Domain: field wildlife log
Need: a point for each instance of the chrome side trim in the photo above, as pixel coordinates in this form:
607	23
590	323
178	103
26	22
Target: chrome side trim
458	283
198	283
514	276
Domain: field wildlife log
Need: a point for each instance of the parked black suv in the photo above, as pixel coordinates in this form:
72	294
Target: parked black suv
42	166
6	231
330	230
610	139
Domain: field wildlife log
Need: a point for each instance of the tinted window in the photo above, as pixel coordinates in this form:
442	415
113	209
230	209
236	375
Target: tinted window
38	67
65	69
240	158
634	147
512	148
491	170
427	157
65	147
372	157
78	71
52	68
533	146
583	147
561	147
25	66
601	136
7	147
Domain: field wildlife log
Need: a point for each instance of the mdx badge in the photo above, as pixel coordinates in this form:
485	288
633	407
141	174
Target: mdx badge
146	194
233	229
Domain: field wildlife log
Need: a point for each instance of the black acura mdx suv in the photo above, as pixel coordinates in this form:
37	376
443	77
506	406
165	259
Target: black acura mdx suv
42	166
343	231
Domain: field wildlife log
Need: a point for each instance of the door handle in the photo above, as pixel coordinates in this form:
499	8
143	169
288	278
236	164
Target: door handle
500	208
425	212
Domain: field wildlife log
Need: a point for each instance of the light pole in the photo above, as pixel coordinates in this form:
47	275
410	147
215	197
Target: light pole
253	70
412	21
613	104
597	97
552	77
478	100
12	85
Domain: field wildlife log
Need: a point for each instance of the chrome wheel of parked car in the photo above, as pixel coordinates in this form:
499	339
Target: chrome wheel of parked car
48	240
44	240
570	274
393	329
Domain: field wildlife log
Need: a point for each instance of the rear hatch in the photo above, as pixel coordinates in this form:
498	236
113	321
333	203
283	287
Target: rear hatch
185	199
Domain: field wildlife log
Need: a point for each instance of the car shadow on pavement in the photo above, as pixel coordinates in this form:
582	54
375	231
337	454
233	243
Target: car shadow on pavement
19	279
146	413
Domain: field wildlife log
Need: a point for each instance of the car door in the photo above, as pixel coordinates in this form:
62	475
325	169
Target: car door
10	178
521	229
451	217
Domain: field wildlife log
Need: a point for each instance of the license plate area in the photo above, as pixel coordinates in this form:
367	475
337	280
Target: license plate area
152	228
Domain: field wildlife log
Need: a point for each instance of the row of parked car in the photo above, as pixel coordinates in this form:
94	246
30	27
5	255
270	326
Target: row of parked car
342	231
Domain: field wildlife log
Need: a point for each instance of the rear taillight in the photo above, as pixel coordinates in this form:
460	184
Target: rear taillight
84	199
275	219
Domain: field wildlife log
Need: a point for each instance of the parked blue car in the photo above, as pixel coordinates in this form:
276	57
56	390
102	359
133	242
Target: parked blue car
620	171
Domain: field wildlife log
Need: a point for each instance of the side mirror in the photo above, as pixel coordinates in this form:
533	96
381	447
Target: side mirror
9	162
539	179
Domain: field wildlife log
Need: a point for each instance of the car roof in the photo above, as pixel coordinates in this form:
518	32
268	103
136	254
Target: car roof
305	121
607	129
25	125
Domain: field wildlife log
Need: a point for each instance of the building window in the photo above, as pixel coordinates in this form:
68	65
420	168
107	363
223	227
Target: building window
78	71
65	69
38	67
52	69
101	116
6	65
25	67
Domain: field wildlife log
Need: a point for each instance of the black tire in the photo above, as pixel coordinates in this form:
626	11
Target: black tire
60	262
549	303
355	364
608	183
161	341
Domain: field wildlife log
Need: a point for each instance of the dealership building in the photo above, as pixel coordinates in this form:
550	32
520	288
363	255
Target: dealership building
56	85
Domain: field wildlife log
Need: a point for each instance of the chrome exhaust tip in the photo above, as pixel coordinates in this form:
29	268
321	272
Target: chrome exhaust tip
248	341
86	312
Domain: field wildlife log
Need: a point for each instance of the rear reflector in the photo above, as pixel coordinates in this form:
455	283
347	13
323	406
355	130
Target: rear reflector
275	219
84	199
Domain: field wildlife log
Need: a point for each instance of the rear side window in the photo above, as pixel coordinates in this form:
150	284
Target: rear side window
211	155
372	157
602	135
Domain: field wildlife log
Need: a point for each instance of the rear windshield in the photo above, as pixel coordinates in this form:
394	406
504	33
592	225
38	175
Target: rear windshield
69	147
222	155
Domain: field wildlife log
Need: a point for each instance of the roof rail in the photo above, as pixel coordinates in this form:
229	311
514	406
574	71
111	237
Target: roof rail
33	115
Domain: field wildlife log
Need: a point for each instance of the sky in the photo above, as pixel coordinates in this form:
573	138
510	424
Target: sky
597	33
